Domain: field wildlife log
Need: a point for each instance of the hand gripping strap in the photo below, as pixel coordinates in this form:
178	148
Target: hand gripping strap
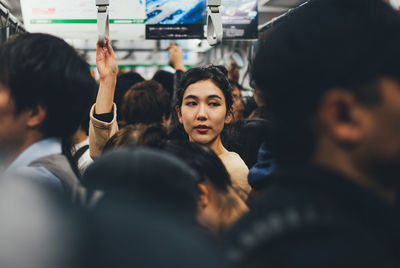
103	28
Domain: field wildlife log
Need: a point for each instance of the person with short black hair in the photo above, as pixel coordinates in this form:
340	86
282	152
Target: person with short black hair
146	103
330	77
125	81
45	88
146	217
166	79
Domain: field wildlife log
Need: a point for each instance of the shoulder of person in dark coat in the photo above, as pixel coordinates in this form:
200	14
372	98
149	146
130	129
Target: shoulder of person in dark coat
301	223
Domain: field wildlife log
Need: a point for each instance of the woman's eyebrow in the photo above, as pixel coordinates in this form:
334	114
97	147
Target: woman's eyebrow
191	97
208	97
214	97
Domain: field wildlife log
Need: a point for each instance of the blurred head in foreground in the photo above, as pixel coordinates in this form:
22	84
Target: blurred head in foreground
333	89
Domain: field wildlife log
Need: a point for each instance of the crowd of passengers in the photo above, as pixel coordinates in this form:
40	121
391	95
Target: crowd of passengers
180	171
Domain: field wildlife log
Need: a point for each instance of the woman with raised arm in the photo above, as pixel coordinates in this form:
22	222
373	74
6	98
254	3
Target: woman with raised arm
204	106
103	114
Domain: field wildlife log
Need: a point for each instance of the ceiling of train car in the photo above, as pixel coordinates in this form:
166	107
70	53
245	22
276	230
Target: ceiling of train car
268	9
152	51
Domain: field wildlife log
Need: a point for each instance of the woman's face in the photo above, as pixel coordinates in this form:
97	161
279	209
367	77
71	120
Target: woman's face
203	112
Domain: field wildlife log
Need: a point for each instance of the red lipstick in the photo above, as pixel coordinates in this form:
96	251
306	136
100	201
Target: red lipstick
202	129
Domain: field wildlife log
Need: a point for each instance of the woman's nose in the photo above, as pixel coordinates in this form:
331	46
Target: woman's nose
202	113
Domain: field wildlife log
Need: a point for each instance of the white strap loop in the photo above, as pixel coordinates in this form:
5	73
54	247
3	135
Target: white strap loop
214	22
103	28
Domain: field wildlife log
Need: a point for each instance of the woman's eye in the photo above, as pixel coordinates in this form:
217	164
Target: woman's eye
192	103
215	104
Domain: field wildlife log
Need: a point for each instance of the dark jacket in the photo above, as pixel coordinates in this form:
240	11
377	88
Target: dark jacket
317	218
261	172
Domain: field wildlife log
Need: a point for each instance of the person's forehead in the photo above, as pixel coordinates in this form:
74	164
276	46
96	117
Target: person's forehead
203	88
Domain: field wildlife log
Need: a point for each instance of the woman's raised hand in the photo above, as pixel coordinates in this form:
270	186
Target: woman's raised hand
107	63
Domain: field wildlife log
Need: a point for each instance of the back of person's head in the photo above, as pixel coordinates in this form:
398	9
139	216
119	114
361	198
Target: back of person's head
158	175
153	136
202	159
219	205
326	44
217	74
148	207
245	138
124	82
166	79
146	102
43	70
138	232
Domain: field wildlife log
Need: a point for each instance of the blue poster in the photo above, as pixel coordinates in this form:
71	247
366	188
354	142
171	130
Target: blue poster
175	19
185	19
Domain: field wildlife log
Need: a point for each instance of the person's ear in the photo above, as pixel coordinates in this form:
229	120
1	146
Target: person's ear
36	116
340	116
204	196
178	113
229	116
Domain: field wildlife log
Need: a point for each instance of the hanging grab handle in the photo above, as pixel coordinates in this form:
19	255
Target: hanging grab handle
8	25
103	28
214	22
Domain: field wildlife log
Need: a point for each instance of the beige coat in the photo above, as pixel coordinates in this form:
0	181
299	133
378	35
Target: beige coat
100	132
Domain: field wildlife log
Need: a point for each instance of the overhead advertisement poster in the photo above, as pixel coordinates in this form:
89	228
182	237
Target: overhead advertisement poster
77	19
175	19
240	19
